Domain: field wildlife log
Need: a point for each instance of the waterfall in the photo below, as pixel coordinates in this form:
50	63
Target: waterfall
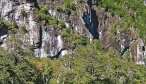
60	42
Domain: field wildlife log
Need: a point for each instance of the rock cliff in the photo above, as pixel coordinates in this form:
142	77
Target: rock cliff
44	39
80	17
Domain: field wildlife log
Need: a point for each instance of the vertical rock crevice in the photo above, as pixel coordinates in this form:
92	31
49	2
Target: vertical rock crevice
91	20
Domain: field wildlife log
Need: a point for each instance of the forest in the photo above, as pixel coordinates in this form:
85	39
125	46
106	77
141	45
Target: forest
89	63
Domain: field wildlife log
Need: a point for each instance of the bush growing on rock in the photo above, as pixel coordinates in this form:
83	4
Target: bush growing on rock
132	13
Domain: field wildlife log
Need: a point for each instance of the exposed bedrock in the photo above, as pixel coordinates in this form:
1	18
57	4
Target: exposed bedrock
120	39
91	22
44	39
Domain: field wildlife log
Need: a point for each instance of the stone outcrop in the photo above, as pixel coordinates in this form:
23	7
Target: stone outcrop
44	39
120	39
89	21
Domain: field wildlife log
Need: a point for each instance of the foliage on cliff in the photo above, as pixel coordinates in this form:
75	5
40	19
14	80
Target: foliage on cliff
88	64
132	13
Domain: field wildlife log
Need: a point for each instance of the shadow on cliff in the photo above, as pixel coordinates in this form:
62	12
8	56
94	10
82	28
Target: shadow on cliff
34	2
95	23
91	19
3	31
58	54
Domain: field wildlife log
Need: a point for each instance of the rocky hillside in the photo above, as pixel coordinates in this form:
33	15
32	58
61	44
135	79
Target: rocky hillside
52	29
56	28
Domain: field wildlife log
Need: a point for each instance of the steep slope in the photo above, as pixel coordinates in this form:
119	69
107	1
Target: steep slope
123	28
72	42
47	24
52	30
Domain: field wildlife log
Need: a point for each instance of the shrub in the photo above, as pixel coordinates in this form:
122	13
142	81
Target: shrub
23	13
62	24
23	29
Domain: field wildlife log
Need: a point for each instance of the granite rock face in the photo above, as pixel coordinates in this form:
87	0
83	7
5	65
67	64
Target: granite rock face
44	39
89	21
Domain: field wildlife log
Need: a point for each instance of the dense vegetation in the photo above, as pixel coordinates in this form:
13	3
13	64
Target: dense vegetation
92	65
89	64
23	68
